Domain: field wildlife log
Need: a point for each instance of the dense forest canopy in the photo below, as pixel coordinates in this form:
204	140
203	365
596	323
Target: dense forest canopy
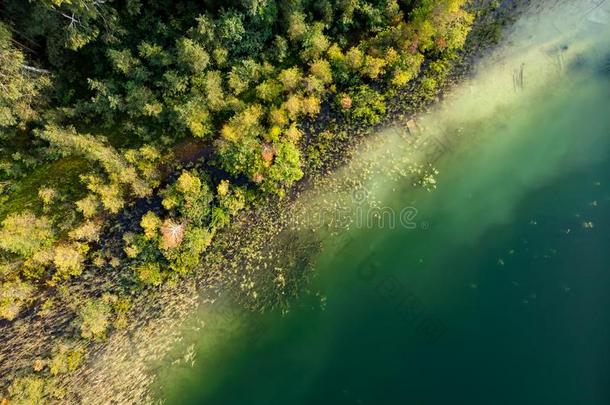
100	99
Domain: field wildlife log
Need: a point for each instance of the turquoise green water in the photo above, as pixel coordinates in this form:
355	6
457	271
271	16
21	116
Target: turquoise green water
496	288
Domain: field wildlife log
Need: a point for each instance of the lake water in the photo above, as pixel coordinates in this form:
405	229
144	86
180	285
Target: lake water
489	285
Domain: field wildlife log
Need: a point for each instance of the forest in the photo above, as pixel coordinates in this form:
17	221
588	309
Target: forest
195	109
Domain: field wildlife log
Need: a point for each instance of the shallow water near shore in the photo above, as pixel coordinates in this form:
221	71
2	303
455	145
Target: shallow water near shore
488	283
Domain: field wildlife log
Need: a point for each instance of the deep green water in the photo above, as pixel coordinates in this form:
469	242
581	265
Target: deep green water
498	289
